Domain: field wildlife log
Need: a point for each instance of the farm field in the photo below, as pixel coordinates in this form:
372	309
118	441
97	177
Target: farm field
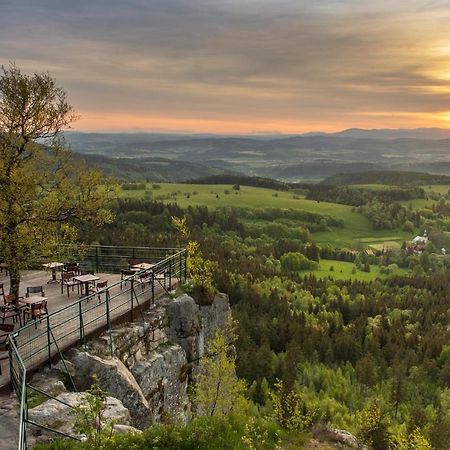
419	203
441	189
342	270
357	227
438	188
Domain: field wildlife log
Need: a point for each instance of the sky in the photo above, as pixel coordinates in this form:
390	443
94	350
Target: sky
238	66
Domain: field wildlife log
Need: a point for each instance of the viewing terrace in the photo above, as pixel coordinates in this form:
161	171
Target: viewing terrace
134	276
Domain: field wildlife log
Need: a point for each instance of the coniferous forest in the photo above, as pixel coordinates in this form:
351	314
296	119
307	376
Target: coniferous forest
349	348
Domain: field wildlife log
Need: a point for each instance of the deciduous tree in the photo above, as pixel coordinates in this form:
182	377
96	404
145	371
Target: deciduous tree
217	388
44	193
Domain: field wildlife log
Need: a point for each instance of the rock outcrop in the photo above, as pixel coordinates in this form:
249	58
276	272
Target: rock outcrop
115	378
192	326
144	365
164	382
57	414
340	437
185	326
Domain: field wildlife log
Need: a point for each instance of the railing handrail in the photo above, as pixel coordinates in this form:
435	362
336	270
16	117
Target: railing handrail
122	246
14	353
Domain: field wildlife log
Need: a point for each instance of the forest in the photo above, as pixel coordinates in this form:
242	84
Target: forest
346	345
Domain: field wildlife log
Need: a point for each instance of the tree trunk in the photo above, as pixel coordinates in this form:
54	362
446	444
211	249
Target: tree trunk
14	280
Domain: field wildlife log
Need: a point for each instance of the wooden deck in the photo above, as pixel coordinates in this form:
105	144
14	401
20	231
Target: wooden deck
37	345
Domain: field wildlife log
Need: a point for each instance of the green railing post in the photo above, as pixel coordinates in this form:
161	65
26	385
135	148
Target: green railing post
132	299
25	412
49	342
97	265
108	321
108	316
185	265
170	273
82	340
153	287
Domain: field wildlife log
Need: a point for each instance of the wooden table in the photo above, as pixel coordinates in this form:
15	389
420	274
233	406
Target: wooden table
143	266
32	299
53	265
85	280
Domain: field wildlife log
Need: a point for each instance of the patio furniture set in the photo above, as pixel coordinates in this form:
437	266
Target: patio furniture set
23	309
33	306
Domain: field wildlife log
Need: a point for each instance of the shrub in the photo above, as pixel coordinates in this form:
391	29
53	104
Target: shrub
294	262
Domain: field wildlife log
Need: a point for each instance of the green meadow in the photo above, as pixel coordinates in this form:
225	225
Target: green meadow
357	228
441	189
344	271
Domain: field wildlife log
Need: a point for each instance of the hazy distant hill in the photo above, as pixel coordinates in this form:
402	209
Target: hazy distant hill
288	158
415	133
387	177
152	169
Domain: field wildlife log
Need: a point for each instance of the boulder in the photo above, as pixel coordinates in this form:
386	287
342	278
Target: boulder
49	381
341	437
122	429
184	326
58	414
215	316
114	377
163	380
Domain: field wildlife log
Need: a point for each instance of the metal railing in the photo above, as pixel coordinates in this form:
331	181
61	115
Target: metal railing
38	342
106	258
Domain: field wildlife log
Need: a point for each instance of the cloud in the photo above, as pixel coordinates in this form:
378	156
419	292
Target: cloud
253	62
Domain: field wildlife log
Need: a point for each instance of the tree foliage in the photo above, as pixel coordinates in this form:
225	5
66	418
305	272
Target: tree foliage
90	420
217	389
200	270
44	193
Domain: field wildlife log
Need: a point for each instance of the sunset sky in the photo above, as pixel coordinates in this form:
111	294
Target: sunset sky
238	66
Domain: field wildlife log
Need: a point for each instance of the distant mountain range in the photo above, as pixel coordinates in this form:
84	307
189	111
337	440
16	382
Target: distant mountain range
388	133
307	157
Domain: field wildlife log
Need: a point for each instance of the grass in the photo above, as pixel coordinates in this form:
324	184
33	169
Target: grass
391	245
424	203
357	227
441	189
343	271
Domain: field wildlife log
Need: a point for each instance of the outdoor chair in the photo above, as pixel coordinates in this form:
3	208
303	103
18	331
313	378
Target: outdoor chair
161	278
4	354
124	274
89	272
134	262
144	278
68	282
11	309
72	267
35	311
99	287
35	290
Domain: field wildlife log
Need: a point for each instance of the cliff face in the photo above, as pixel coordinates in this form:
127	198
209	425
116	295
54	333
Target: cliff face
147	365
